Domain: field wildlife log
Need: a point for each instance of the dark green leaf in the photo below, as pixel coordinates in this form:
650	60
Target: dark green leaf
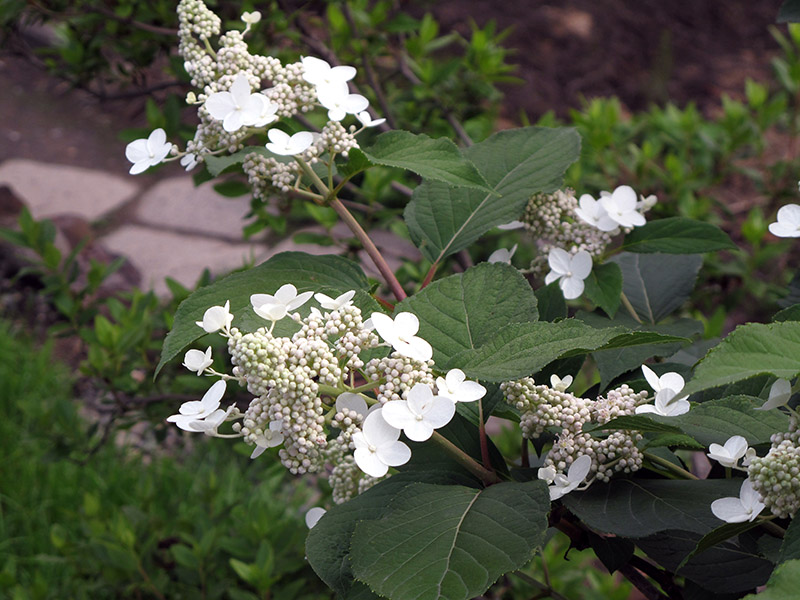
791	313
463	311
356	162
638	508
613	552
657	284
790	548
470	537
304	271
604	286
217	164
717	536
517	163
789	12
750	350
437	159
551	303
677	235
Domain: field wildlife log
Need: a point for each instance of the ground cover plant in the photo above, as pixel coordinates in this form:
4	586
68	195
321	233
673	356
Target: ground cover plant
388	398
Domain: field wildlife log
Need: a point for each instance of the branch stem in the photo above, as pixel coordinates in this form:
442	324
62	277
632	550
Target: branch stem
465	460
482	436
672	468
629	307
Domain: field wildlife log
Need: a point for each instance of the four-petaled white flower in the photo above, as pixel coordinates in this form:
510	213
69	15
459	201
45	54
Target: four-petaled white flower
621	207
236	107
196	410
216	318
146	153
269	438
558	384
564	484
779	395
738	510
314	515
211	423
729	454
197	360
367	120
274	308
788	224
339	101
458	388
320	73
377	446
352	402
667	387
399	333
251	18
646	203
283	144
329	303
570	271
592	212
502	255
420	414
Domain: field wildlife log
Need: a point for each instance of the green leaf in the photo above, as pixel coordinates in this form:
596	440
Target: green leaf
551	303
791	313
356	162
470	537
677	235
717	536
789	12
604	287
328	543
217	164
520	349
232	188
463	311
612	363
437	159
517	163
785	579
657	284
790	548
613	552
638	508
750	350
635	423
304	271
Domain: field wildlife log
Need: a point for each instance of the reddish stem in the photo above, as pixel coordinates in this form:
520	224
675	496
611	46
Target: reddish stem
430	274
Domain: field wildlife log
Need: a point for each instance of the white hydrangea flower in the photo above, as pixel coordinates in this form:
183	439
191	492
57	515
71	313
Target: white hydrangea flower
320	73
146	153
560	385
271	437
216	318
458	388
283	144
646	203
621	207
339	101
788	223
251	18
779	395
274	308
420	414
314	515
236	107
673	381
547	474
570	271
197	410
211	423
502	255
377	446
729	454
738	510
592	212
197	360
667	387
189	161
367	120
329	303
399	333
564	484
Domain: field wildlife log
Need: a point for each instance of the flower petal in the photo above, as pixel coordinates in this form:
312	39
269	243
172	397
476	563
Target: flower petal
558	260
572	287
581	264
394	454
377	431
353	402
730	510
370	463
440	412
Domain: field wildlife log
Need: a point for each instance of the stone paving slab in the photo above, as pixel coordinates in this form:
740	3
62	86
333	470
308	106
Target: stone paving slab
176	203
160	254
50	190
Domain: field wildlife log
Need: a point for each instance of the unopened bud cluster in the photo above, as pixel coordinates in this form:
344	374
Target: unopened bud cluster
776	476
542	407
552	220
399	374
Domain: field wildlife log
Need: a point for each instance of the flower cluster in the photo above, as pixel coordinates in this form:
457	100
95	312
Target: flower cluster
302	383
233	105
776	476
551	407
570	233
